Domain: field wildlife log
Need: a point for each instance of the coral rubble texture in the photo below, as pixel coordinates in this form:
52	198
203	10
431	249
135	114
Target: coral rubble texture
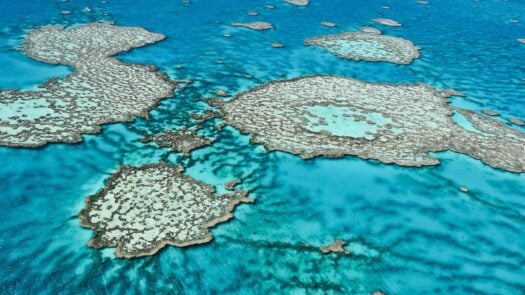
143	209
100	90
257	25
298	2
401	124
183	140
337	246
387	22
367	46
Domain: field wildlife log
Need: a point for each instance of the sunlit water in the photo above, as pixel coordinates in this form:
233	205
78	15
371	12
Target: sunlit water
411	230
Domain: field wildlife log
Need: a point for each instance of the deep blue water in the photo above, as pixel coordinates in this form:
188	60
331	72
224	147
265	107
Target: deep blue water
410	229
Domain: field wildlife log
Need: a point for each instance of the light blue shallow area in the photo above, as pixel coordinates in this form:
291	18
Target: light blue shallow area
341	121
411	230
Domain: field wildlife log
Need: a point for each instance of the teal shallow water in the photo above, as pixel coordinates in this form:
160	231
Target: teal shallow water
411	230
339	121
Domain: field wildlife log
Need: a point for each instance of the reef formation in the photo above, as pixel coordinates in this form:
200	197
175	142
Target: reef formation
143	209
328	24
367	46
387	22
298	2
517	121
100	90
183	141
401	124
258	25
337	246
370	30
231	184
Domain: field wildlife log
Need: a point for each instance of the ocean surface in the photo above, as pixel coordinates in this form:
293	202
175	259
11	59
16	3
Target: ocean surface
410	230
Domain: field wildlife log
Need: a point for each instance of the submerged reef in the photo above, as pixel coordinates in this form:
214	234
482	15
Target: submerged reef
387	22
204	116
337	246
490	113
298	2
232	184
183	141
143	209
328	24
517	121
305	269
100	90
258	25
464	189
367	46
370	30
223	93
335	116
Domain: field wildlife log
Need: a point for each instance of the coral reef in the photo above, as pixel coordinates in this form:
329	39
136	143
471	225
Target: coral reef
100	90
143	209
258	25
387	22
298	2
183	141
337	246
367	46
401	124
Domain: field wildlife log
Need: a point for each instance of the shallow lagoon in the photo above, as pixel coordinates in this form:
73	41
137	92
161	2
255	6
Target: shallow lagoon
412	230
341	121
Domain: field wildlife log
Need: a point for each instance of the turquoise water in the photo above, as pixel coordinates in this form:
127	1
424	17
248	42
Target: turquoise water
464	122
411	230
